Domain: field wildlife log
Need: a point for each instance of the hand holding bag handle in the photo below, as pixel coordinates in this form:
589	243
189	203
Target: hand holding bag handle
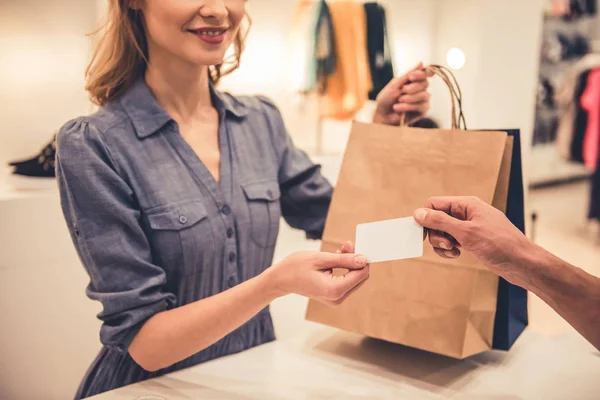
458	117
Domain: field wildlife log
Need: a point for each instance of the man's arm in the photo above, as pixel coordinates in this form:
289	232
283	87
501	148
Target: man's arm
570	291
467	223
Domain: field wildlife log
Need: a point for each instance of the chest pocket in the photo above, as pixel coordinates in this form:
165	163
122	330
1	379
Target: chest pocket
265	211
182	237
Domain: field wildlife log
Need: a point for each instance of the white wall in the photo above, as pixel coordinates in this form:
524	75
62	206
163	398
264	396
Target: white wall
412	25
458	24
501	41
44	53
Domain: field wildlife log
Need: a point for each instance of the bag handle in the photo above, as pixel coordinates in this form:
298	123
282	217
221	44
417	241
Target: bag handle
458	117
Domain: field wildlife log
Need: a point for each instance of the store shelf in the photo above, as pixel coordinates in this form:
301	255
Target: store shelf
8	193
547	168
557	70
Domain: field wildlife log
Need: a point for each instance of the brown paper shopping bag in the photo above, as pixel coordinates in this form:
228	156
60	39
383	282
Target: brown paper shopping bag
443	306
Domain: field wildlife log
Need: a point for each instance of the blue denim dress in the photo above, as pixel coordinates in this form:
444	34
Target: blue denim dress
156	231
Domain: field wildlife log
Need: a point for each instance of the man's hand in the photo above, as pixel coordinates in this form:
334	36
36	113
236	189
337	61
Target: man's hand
471	224
466	222
405	95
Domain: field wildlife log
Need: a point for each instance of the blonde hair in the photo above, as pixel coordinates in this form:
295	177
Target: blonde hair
120	55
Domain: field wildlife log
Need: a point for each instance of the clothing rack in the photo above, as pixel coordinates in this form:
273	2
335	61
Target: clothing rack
560	52
378	60
555	66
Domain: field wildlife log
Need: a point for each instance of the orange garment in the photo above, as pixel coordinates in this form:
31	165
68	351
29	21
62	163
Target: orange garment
348	87
590	101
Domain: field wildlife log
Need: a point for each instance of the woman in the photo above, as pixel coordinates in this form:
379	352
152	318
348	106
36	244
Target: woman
173	193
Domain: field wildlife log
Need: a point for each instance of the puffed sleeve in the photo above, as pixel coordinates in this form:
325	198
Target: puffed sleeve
305	193
103	218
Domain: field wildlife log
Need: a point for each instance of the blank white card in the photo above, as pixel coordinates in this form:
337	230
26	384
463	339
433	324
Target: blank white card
394	239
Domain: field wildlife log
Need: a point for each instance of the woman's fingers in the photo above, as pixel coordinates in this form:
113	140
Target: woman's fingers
348	294
338	287
420	108
420	97
348	247
419	76
415	87
325	261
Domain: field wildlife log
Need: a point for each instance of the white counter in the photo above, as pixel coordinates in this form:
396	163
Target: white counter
323	363
49	330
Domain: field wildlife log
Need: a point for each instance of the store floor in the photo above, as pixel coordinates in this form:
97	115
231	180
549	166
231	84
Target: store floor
561	228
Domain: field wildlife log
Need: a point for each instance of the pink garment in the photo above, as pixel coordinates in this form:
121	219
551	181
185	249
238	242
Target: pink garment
590	101
565	97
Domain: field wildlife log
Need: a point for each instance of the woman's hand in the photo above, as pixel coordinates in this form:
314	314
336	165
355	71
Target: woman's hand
405	95
310	274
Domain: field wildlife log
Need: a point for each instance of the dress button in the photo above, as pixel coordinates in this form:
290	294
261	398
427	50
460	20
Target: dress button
270	193
226	210
231	257
183	219
230	233
231	282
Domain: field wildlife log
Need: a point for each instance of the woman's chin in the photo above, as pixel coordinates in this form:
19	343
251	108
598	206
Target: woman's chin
208	60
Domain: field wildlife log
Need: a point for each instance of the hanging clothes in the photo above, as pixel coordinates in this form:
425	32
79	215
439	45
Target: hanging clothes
594	212
303	62
558	8
580	122
590	101
313	45
348	87
592	7
567	97
378	47
325	47
581	8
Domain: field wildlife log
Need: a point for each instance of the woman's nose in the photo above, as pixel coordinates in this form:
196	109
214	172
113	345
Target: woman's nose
213	9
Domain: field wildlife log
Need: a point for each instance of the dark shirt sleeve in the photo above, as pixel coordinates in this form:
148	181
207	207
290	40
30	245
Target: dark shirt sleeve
104	221
305	193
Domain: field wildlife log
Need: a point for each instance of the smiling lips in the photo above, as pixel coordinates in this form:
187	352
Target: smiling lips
210	35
